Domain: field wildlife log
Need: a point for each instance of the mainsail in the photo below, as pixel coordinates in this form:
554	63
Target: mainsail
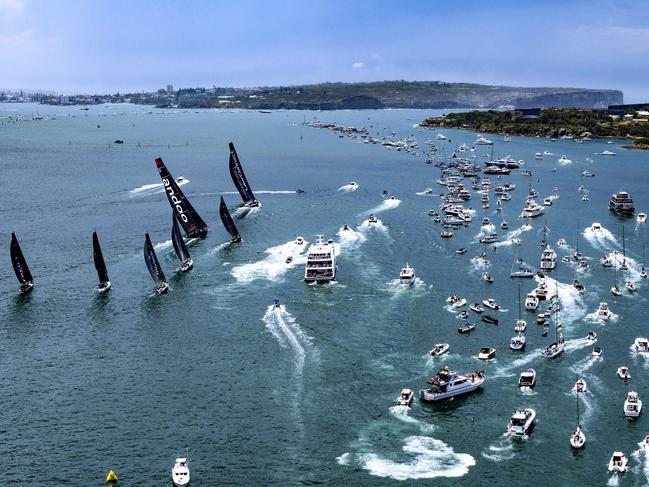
228	223
100	265
178	242
152	261
192	223
20	264
239	179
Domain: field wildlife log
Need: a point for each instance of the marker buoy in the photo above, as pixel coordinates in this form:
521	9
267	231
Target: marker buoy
111	477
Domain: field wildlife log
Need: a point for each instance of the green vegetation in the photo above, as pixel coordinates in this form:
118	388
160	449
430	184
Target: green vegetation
550	122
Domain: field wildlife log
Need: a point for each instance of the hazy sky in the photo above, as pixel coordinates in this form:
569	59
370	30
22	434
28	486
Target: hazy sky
97	46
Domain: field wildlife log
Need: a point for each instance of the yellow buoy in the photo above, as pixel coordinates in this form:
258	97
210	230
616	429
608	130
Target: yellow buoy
111	477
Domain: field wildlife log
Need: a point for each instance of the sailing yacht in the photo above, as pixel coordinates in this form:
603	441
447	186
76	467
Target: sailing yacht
228	223
20	266
321	261
186	262
153	265
577	437
240	181
556	348
100	266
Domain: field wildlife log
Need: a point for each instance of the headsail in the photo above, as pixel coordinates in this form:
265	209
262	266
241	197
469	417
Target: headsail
152	263
20	264
192	223
178	242
228	223
100	265
239	179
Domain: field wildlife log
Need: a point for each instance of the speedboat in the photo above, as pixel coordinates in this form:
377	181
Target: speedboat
487	353
372	219
476	308
591	335
564	160
289	259
407	276
597	352
580	385
490	319
438	349
527	378
447	384
641	345
578	286
504	225
487	277
461	251
643	273
299	240
623	373
483	141
521	422
541	291
603	313
531	302
630	286
561	242
607	261
641	218
607	153
459	302
616	291
405	398
467	328
618	462
632	405
517	342
520	326
446	234
547	201
490	303
180	472
577	438
538	156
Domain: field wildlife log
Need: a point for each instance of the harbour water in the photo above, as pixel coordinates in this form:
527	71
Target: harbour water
303	394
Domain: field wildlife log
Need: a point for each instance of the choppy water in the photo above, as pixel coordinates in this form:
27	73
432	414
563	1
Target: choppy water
305	393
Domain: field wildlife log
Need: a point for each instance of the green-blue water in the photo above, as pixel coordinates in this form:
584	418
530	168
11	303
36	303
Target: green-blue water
304	395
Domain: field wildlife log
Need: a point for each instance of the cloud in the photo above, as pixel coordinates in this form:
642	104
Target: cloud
11	7
358	65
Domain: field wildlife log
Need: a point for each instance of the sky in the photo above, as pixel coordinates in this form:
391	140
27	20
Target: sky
105	46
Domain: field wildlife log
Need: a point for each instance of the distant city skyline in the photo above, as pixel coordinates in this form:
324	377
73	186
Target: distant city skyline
75	46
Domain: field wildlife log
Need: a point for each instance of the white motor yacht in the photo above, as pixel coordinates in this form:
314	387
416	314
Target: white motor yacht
621	202
483	141
447	384
532	209
531	302
407	276
439	349
548	259
618	462
487	353
603	313
641	345
632	405
597	352
527	378
623	373
491	303
522	422
405	398
607	153
180	472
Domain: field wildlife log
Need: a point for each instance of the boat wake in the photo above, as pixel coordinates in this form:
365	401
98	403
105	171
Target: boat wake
367	226
274	266
592	318
348	188
388	204
500	450
635	267
163	245
572	302
264	191
507	238
601	239
643	459
418	287
401	413
149	189
349	239
286	330
517	365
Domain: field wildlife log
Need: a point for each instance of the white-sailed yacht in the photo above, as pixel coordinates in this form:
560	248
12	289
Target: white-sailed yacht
321	261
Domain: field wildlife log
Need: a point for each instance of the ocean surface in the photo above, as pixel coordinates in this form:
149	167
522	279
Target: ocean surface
304	394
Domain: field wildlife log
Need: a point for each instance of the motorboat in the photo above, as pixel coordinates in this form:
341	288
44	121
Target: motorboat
531	302
289	259
632	405
547	201
459	302
564	160
483	141
447	384
372	219
487	353
439	349
641	345
587	174
580	385
603	312
476	308
504	225
562	242
407	276
548	259
491	304
616	290
487	277
607	153
617	463
578	286
490	319
623	373
541	291
516	241
446	234
643	273
461	251
517	342
607	261
180	472
591	335
299	240
467	328
520	326
597	352
621	202
641	218
532	209
538	156
405	398
489	238
527	378
522	422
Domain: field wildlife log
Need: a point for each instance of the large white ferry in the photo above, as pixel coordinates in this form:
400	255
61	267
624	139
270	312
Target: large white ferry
621	202
321	261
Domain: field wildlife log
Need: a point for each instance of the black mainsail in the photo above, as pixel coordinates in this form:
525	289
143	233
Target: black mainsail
20	265
228	223
100	265
192	223
152	263
178	242
239	179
